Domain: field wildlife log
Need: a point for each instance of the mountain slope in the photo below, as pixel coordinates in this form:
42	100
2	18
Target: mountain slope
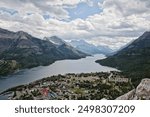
133	60
55	40
29	51
89	48
65	47
71	51
105	50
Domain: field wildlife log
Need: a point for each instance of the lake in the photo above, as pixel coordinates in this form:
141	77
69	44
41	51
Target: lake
84	65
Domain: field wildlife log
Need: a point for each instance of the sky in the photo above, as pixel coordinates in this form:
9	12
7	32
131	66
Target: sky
111	23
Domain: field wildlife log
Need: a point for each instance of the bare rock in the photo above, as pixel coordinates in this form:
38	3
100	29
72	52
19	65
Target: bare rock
141	92
143	89
127	96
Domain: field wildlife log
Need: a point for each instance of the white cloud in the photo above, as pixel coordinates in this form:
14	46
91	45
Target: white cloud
111	42
119	22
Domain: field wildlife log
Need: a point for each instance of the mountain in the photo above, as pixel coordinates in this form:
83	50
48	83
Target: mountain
85	47
134	59
55	40
105	50
89	48
28	51
64	46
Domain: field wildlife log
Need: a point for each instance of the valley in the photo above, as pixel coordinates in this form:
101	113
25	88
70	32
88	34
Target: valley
50	68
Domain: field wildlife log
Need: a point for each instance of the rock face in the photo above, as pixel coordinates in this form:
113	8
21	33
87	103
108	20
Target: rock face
127	96
142	92
143	89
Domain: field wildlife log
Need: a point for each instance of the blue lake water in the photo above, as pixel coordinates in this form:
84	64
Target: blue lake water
84	65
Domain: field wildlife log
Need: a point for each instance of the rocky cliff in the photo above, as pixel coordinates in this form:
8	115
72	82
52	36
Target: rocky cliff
142	92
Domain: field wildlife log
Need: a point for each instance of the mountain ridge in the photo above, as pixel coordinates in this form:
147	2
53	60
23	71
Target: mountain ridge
55	40
28	51
133	60
90	48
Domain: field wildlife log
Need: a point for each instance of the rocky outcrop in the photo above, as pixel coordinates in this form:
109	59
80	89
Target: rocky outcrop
143	89
142	92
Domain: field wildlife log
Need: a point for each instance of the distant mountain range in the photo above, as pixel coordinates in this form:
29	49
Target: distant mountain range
90	48
27	51
81	45
134	59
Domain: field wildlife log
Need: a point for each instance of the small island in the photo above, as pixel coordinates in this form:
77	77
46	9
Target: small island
83	86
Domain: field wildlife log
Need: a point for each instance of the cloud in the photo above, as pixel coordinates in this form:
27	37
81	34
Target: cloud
124	19
126	7
117	23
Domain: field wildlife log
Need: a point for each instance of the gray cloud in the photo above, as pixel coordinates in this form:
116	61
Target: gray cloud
126	7
33	6
119	22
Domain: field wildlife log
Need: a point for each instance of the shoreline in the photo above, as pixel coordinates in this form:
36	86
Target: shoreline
73	86
84	65
50	63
